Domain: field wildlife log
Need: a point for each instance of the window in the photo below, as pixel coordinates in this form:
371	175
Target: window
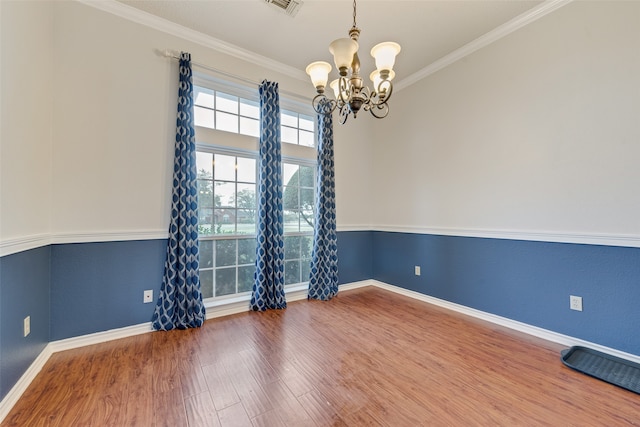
215	109
227	177
297	128
226	194
219	110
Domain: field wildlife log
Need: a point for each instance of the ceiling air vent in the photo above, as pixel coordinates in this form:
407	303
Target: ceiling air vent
290	7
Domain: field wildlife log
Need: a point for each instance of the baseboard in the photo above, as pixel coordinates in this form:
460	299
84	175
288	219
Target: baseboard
30	374
509	323
99	337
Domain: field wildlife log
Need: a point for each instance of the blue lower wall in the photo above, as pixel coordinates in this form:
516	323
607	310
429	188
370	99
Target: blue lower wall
355	254
98	286
522	280
76	289
24	291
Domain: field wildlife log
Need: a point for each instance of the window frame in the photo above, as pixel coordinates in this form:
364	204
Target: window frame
217	141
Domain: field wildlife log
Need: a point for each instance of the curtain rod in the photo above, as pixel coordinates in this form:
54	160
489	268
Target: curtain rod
174	55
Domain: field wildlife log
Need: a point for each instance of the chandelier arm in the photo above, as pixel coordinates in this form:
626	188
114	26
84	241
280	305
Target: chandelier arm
344	90
383	92
385	110
344	113
321	102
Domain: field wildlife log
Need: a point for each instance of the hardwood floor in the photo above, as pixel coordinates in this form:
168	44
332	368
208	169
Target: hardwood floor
367	358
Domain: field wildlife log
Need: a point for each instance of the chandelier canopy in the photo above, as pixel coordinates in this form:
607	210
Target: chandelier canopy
351	95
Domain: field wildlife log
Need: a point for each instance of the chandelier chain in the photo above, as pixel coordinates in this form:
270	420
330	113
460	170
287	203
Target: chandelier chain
354	14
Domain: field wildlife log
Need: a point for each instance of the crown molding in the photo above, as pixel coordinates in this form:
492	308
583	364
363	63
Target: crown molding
497	33
143	18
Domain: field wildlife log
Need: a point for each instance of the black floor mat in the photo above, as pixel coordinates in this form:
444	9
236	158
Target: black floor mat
611	369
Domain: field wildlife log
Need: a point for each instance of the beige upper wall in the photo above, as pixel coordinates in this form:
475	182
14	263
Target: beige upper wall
538	132
26	88
114	121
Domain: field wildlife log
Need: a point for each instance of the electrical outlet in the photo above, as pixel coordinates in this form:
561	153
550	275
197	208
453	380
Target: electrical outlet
27	325
417	270
575	303
148	296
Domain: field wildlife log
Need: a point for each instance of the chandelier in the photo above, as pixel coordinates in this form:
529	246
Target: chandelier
350	93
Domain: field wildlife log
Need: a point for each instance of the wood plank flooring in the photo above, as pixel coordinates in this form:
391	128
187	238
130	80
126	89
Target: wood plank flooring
367	358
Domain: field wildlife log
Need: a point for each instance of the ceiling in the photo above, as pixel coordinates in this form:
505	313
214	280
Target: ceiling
427	30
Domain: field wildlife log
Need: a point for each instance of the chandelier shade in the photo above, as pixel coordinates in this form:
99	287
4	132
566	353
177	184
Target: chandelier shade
319	73
351	95
385	54
342	51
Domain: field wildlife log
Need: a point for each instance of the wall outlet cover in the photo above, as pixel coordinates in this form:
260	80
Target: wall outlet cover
27	326
575	303
148	296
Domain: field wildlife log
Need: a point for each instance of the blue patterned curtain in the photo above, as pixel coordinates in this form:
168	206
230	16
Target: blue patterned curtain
323	279
268	286
180	302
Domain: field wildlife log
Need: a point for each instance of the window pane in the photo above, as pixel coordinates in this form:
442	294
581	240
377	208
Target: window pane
246	251
226	102
289	118
224	221
246	169
250	127
290	172
307	177
205	221
225	252
225	194
225	281
306	220
203	96
227	122
291	272
249	108
291	221
205	193
289	135
307	123
204	164
306	246
205	251
290	197
246	221
225	168
307	138
305	266
246	196
291	247
245	278
204	117
306	198
206	283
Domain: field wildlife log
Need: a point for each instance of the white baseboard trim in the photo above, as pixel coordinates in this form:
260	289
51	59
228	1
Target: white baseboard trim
356	285
16	391
509	323
99	337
